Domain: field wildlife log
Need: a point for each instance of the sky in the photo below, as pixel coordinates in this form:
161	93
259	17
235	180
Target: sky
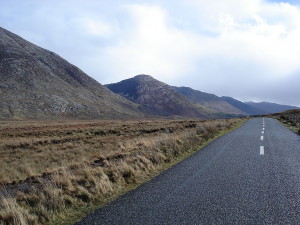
246	49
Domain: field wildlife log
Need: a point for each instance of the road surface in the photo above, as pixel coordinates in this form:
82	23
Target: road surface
249	176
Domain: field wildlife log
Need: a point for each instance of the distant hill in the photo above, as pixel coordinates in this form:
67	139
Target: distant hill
158	98
247	109
208	100
271	107
37	83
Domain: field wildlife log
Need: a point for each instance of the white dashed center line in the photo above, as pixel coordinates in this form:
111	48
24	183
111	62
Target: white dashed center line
262	138
262	150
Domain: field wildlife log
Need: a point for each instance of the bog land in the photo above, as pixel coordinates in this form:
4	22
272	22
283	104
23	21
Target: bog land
53	169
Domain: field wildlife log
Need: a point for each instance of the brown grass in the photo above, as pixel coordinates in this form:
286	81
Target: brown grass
50	169
291	118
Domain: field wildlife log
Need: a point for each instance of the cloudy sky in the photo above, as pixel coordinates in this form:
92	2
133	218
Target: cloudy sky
247	49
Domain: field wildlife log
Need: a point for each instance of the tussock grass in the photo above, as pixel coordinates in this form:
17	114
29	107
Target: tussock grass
290	118
54	169
11	212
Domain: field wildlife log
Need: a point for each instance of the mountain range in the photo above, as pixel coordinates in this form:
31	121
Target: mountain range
38	84
161	99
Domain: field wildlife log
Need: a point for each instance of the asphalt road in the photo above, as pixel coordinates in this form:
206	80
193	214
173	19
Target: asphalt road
231	181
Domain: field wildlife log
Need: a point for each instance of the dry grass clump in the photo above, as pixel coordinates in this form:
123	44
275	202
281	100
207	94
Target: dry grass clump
100	160
13	213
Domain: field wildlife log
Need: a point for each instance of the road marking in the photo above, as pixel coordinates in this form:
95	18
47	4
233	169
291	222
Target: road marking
261	138
262	150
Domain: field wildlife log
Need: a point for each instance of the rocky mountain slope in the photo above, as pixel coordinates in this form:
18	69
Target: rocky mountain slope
208	100
37	83
158	98
270	107
247	109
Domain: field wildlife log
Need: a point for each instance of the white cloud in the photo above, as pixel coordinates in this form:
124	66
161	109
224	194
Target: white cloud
153	46
253	36
97	28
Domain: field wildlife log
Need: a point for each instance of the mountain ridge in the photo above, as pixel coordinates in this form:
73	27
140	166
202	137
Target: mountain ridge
158	98
208	100
247	109
270	107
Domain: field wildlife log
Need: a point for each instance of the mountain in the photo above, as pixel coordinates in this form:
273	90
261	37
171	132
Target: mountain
271	107
37	83
208	100
158	98
247	109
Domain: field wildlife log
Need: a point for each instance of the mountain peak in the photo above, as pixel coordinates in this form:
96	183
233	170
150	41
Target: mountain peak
143	76
158	98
